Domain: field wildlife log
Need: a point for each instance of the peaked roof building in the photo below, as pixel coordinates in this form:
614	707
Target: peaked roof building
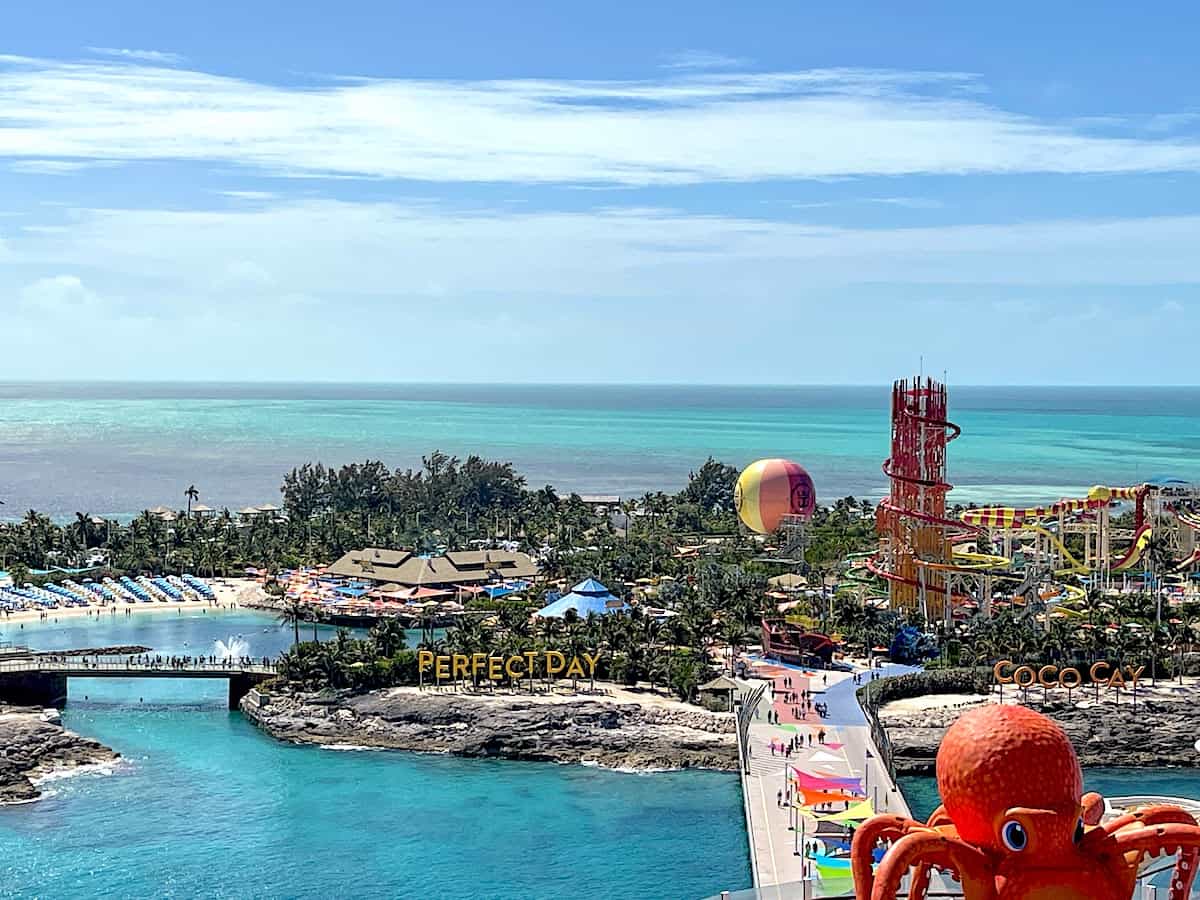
589	596
403	567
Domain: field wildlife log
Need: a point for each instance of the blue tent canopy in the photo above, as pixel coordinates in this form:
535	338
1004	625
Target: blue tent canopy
588	596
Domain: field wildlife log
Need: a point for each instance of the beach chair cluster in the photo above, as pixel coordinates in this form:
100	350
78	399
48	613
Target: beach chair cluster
144	589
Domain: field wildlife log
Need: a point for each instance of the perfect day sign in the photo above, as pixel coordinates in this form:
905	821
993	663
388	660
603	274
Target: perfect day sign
497	668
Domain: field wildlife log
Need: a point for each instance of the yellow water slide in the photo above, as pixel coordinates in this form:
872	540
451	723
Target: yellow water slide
1141	541
1029	518
1075	567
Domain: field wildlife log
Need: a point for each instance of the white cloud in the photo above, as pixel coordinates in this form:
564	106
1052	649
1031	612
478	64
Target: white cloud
677	130
341	249
154	56
906	202
249	195
58	295
54	166
703	59
381	290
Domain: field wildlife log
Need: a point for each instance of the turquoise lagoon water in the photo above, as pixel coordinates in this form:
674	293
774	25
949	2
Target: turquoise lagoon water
205	805
922	794
116	449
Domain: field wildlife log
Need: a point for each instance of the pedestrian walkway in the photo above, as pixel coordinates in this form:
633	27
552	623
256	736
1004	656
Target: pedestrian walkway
847	751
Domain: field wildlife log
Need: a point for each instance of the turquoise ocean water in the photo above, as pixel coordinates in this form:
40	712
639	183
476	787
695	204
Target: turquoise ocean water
204	805
922	794
116	449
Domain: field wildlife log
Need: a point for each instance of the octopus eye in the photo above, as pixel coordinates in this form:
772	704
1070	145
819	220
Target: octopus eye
1013	834
1078	830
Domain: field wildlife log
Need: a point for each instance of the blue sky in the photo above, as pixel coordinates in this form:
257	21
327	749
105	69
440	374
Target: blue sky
546	192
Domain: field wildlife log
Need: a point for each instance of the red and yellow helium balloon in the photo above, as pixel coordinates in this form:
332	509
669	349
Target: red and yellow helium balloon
770	489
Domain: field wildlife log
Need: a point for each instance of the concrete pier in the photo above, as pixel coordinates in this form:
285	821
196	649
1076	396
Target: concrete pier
777	847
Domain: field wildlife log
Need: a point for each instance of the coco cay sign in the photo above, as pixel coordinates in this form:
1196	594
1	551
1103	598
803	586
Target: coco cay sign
1008	672
497	668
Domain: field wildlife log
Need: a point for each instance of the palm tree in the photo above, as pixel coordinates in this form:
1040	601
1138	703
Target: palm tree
388	635
292	613
192	495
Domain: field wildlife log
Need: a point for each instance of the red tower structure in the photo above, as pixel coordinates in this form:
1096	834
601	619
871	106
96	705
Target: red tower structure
915	553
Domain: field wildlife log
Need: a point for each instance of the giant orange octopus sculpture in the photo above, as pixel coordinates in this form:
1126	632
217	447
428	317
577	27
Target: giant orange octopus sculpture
1016	825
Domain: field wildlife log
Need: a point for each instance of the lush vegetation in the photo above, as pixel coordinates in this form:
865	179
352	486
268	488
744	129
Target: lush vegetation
446	504
720	606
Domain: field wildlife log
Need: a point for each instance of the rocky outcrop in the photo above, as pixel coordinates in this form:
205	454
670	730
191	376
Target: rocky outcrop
583	730
34	744
1154	733
118	650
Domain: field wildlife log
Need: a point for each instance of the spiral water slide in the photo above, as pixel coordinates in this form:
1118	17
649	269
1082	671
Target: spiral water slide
1029	519
972	563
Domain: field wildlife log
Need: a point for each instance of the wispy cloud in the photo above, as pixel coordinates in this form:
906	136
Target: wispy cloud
703	59
55	166
154	56
684	129
393	249
315	274
249	195
906	202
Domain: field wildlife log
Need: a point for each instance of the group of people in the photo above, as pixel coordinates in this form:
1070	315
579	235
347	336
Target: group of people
780	748
188	662
158	661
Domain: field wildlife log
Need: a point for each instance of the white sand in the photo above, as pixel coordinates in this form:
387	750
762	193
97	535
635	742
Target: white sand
231	593
933	701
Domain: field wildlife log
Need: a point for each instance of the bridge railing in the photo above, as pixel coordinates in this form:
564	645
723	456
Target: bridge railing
77	664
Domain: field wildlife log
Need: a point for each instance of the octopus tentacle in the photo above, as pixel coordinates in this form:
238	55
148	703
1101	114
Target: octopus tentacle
1159	814
923	849
939	817
1184	874
919	885
1173	837
1093	808
887	828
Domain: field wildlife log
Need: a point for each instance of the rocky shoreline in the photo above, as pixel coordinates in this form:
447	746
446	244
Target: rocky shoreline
33	745
579	730
1155	734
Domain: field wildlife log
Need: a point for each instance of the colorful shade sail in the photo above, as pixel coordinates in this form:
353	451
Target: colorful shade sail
769	489
814	798
810	782
860	812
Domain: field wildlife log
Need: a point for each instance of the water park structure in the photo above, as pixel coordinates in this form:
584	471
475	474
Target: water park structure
938	563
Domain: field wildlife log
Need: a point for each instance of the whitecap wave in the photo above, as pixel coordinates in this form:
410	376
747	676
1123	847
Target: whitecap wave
60	773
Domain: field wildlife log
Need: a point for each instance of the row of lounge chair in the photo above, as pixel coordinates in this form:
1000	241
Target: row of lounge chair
163	589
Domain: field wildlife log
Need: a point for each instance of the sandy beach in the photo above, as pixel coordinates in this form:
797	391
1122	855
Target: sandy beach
231	593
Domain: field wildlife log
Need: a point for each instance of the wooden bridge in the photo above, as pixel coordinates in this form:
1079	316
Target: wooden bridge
39	681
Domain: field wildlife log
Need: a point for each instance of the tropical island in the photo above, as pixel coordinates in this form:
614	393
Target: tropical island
698	597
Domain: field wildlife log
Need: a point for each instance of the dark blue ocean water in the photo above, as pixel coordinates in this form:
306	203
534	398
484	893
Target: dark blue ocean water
204	805
116	449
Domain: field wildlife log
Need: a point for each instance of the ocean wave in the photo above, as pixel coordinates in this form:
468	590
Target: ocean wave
625	770
61	773
363	747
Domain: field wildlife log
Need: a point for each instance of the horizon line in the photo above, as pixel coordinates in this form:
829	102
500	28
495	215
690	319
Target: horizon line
268	382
